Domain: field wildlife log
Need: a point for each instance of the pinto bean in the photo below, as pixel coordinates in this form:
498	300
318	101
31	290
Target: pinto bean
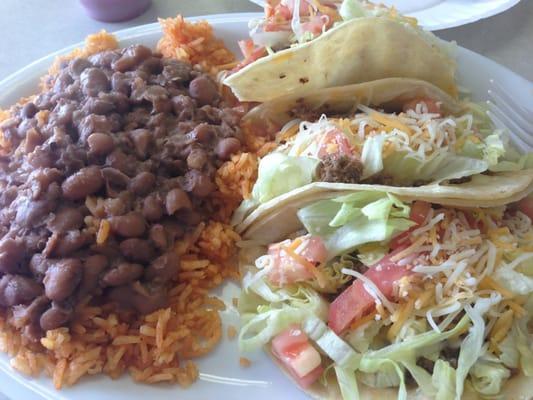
66	219
94	81
129	225
227	147
143	183
122	274
143	302
18	289
141	140
198	183
176	200
100	144
158	236
204	90
12	252
55	317
39	264
196	158
29	314
137	250
163	268
83	183
152	208
62	278
70	242
92	268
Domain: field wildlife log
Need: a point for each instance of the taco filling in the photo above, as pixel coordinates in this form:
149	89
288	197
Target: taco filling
417	146
380	293
288	23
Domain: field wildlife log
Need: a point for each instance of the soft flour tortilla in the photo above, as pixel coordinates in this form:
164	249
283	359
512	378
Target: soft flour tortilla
360	50
277	218
388	93
519	387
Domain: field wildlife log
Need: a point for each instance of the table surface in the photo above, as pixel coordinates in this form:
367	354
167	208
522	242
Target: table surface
31	29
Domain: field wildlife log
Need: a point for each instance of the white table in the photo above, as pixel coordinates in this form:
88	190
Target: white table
30	29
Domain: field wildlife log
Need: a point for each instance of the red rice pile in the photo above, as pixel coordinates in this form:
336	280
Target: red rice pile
157	347
194	43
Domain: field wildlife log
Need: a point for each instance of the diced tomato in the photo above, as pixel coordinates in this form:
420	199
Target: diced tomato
316	24
250	52
247	47
304	6
526	206
314	250
432	106
293	349
355	301
310	378
290	341
289	266
418	214
419	211
334	142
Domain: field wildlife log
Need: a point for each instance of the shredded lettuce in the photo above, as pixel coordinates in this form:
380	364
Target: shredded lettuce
513	280
330	343
493	149
443	380
385	377
271	318
279	174
372	155
488	377
524	339
334	279
414	345
471	347
352	220
347	383
442	165
351	9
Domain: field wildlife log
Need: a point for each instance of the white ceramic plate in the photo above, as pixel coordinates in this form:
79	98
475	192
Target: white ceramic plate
443	14
221	375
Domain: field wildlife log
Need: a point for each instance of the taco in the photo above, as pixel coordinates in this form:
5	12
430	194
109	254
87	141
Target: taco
392	132
372	296
304	45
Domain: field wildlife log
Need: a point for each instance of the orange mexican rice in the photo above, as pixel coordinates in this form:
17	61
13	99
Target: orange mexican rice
159	346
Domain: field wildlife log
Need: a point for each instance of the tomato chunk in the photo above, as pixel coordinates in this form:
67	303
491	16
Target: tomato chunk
355	301
433	107
302	361
334	142
316	24
418	214
295	260
526	206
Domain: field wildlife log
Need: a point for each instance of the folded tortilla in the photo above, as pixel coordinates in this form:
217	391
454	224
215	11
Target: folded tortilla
263	224
360	50
389	93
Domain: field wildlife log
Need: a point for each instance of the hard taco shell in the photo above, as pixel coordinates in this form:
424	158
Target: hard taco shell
359	50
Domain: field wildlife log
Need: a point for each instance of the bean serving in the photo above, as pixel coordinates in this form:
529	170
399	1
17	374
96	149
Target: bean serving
100	174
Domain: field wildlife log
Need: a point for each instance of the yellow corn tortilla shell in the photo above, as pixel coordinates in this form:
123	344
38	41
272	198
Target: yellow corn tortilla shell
388	93
360	50
277	218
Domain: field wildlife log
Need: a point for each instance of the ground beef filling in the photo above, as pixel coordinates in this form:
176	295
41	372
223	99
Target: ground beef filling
99	176
342	169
